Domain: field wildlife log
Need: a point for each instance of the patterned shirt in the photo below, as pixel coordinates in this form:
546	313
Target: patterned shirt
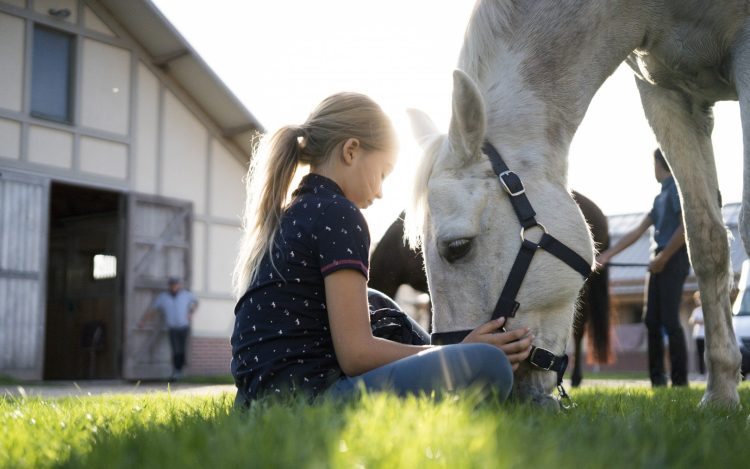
282	340
666	213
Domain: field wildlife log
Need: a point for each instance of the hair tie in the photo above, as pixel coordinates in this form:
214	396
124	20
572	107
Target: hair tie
302	136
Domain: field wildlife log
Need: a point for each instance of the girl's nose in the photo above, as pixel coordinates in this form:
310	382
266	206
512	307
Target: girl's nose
379	195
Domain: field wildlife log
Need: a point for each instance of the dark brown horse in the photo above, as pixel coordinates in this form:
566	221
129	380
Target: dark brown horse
393	264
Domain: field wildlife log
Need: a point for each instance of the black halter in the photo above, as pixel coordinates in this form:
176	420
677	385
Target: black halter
507	305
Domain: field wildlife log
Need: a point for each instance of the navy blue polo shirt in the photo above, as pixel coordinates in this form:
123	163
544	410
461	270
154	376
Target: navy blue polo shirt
666	213
282	340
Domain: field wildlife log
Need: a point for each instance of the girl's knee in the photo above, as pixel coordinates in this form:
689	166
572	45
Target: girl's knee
489	364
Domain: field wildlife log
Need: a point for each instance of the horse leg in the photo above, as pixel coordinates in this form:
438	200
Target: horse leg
683	129
741	53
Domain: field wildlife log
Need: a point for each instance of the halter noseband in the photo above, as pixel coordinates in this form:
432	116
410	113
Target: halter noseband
507	306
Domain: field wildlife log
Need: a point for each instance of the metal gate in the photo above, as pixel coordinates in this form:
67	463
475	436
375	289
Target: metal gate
159	245
24	219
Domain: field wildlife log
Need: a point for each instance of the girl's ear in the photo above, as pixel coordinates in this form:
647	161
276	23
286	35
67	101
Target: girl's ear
350	150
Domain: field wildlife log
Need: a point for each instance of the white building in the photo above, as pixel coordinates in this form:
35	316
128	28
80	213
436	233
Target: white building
121	163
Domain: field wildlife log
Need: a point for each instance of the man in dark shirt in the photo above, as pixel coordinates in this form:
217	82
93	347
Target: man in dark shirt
668	269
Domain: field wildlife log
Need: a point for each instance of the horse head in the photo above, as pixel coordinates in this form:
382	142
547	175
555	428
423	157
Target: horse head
470	234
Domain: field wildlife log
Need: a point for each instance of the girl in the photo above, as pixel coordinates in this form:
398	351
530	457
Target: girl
302	321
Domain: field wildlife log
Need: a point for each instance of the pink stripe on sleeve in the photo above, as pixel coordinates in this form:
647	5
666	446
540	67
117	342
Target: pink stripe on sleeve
346	261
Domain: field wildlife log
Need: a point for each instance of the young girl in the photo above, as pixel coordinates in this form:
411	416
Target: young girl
302	321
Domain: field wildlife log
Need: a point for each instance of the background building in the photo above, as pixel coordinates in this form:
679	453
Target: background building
121	163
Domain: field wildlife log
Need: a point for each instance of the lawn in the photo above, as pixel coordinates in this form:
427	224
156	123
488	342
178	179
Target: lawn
611	428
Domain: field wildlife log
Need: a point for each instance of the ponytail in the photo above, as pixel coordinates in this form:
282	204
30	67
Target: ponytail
277	158
267	183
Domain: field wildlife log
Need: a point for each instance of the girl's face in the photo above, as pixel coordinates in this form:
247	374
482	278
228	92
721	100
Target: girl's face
365	172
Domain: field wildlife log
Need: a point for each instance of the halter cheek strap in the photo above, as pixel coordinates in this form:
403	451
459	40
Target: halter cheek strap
507	306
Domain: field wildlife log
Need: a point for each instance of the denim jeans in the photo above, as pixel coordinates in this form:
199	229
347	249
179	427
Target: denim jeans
663	298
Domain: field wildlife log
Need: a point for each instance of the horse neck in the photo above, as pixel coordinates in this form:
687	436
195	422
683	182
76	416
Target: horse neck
538	65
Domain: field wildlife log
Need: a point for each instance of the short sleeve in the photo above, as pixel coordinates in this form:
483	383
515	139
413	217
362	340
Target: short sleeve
653	213
158	302
193	298
342	238
674	202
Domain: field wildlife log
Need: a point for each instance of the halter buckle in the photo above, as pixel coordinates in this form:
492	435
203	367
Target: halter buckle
546	358
512	181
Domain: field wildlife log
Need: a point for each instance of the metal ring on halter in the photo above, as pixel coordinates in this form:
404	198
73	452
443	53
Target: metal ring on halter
523	230
563	396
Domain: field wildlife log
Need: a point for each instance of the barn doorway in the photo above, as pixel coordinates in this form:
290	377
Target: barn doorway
84	283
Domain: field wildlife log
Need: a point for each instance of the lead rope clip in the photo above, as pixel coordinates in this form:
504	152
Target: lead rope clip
563	398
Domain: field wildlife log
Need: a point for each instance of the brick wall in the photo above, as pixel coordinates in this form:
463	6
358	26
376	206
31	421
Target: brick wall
209	356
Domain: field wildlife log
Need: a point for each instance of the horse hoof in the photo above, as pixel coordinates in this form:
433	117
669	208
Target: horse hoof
575	381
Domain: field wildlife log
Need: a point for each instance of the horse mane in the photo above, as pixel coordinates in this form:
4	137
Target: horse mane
489	20
417	207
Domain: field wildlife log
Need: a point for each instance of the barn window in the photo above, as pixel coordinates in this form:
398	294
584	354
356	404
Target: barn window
51	76
105	266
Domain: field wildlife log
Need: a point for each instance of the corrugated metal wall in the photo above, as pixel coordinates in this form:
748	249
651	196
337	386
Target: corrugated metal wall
24	205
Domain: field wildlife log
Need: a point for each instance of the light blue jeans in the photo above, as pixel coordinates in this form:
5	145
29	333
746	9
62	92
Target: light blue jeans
449	368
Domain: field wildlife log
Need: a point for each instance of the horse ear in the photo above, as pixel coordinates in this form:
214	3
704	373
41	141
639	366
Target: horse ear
422	126
468	120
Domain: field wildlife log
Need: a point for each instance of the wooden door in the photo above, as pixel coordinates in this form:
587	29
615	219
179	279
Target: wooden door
159	245
24	220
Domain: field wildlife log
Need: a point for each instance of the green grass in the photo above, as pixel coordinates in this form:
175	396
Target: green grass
611	428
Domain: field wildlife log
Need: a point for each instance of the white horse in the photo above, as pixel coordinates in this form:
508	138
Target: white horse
531	70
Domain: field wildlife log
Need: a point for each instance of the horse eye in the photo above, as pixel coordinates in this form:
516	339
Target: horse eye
457	249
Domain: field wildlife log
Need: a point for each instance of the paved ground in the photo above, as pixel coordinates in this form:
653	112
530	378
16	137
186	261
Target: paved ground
95	388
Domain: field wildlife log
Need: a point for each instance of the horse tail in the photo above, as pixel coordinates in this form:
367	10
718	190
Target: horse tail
599	320
599	303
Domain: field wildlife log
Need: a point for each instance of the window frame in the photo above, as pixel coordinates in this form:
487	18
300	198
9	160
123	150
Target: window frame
72	76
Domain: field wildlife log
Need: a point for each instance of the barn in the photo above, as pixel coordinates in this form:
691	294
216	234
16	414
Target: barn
122	156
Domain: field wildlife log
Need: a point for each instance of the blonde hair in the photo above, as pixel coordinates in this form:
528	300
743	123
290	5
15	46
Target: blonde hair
277	157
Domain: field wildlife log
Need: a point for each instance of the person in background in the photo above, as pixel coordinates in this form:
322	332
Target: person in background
699	332
668	269
178	307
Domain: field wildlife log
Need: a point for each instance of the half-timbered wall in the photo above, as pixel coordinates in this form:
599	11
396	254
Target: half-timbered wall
133	129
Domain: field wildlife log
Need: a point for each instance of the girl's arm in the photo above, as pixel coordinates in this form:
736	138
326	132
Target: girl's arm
358	351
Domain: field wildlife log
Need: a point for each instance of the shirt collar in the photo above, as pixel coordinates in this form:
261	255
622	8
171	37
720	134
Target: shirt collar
312	181
666	182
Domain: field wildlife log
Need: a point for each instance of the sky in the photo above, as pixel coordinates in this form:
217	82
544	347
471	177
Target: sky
282	57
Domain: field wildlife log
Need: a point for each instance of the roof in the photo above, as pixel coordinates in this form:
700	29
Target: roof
625	280
143	20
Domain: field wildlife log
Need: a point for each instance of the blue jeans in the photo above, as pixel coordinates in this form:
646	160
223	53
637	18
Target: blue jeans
441	369
663	297
178	338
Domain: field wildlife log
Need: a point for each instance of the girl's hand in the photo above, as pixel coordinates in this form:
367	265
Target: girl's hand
515	351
